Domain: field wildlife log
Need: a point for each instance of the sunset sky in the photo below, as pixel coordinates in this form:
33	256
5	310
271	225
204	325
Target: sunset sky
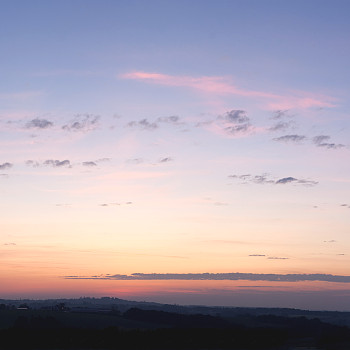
192	152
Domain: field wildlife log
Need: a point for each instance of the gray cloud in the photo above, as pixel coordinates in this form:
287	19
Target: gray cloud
262	179
166	160
286	180
281	123
234	122
280	114
320	141
235	129
307	182
236	116
89	164
173	119
259	179
290	138
277	258
39	124
115	204
57	163
32	163
143	124
267	179
10	243
281	126
222	277
6	165
83	123
256	255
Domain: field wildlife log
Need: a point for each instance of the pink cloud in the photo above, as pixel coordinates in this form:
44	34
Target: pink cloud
217	85
302	101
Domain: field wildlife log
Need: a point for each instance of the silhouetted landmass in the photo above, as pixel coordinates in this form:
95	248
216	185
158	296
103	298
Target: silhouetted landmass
110	323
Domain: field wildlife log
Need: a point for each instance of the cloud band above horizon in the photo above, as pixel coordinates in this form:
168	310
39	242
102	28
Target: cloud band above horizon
221	277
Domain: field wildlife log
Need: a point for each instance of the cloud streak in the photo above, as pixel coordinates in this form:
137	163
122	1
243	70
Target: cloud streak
236	276
290	138
57	163
218	85
267	179
145	124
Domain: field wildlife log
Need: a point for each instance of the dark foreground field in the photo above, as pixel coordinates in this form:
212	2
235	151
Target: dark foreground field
149	326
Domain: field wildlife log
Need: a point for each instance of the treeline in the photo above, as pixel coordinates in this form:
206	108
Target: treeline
114	338
175	331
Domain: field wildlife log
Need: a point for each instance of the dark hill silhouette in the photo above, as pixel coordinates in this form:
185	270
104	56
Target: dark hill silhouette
104	324
176	319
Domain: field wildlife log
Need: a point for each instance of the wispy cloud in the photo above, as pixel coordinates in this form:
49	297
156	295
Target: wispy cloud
232	123
218	85
318	141
115	204
63	163
6	165
280	114
173	119
49	162
39	124
282	126
256	255
166	160
145	124
89	164
291	138
222	277
82	123
282	120
57	163
267	179
322	141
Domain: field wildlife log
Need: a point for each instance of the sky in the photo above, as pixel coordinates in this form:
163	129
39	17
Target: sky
191	152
